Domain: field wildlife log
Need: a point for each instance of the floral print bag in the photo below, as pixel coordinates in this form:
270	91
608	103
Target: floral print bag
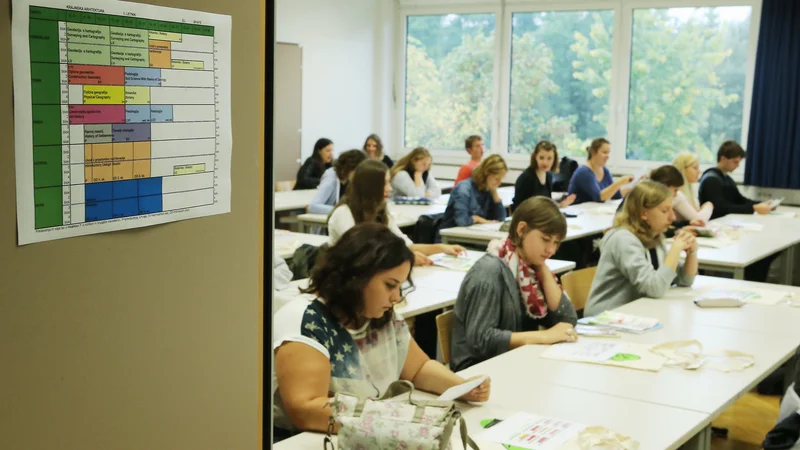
393	423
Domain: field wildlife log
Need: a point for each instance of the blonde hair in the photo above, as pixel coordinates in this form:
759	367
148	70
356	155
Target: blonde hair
493	165
409	159
683	161
645	195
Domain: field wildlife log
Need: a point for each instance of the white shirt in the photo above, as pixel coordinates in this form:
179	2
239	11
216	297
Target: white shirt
342	220
281	274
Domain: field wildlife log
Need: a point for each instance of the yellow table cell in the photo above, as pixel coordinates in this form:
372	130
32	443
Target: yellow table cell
165	36
189	169
184	64
137	95
103	95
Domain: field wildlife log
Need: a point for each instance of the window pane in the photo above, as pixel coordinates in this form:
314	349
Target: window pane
687	81
449	79
560	79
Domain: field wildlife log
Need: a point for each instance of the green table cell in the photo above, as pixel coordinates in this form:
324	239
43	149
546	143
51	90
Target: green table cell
45	84
37	12
47	166
49	210
82	33
130	37
130	57
89	54
43	40
46	124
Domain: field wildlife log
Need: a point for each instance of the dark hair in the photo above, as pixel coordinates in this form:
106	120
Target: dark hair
730	150
378	144
341	274
539	213
545	146
468	142
347	162
365	193
321	143
595	146
667	175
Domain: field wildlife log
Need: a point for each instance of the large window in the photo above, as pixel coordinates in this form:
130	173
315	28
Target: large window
687	81
560	79
449	79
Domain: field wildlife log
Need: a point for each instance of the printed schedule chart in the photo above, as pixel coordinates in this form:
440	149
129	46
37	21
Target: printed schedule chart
125	116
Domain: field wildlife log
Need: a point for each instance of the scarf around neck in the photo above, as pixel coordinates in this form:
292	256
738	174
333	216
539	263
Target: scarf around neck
528	279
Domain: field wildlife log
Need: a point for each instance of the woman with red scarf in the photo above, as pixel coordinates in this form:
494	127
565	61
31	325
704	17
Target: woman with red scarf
510	292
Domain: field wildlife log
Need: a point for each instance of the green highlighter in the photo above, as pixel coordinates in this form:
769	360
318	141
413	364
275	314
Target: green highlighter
489	423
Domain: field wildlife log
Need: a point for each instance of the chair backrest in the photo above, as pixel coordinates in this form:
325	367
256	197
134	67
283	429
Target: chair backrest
577	285
561	180
444	325
284	186
426	228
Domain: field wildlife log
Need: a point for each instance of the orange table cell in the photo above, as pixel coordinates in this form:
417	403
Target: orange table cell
87	173
123	151
141	150
123	170
102	152
161	59
160	45
87	153
102	172
141	169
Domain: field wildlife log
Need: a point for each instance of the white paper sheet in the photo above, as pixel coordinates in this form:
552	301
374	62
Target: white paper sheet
533	432
461	389
585	350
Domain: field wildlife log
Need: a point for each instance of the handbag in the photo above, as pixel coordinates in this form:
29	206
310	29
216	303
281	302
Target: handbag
390	423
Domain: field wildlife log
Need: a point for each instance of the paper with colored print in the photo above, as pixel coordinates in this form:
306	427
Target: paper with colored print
461	263
461	389
622	322
532	432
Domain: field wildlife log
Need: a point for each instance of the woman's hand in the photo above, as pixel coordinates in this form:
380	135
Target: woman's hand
698	223
454	250
560	332
568	201
479	219
684	240
421	260
480	393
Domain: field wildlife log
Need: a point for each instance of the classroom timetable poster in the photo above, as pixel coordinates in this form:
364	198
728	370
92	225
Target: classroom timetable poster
122	116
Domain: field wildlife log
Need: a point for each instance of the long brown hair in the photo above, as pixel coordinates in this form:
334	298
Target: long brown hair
545	146
364	194
492	165
645	195
378	145
408	160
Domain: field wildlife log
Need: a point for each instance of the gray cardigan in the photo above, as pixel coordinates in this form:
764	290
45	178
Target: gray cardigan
625	273
488	309
403	185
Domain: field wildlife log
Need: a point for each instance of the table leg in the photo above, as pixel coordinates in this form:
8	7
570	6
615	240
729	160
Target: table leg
738	273
787	264
701	441
445	240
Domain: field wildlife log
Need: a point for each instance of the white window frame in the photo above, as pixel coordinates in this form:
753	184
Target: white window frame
620	68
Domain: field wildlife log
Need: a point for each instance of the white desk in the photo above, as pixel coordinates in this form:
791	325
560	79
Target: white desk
779	234
286	242
290	200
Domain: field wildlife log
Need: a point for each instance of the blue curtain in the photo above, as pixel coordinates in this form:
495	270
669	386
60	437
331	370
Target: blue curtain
773	144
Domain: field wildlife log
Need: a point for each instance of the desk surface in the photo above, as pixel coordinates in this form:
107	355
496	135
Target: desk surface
286	242
289	200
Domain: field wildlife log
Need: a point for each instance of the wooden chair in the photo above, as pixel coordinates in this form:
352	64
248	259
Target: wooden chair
577	285
444	325
284	186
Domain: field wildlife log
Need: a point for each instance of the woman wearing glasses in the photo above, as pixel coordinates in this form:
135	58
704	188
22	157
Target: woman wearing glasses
349	339
365	201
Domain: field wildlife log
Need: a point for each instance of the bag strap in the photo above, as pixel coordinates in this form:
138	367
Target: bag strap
465	439
678	354
397	388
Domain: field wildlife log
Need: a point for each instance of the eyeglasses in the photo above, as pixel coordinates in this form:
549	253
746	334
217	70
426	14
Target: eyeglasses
406	289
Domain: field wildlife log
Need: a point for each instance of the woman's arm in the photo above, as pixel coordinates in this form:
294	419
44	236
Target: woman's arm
552	291
431	376
628	255
461	209
304	375
307	176
433	191
326	191
403	185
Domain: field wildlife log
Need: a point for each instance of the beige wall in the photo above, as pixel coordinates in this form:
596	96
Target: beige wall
147	339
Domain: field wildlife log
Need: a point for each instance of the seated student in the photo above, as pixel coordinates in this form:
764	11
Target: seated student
373	147
411	175
717	187
634	262
509	293
685	206
281	274
349	339
537	179
474	146
593	182
476	200
309	174
334	181
366	202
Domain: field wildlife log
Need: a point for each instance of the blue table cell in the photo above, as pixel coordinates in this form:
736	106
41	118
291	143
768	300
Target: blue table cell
137	113
125	189
149	186
98	211
151	204
98	192
161	113
140	76
126	207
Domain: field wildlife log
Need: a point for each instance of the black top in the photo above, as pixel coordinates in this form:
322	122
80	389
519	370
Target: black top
410	171
310	173
720	189
388	161
528	186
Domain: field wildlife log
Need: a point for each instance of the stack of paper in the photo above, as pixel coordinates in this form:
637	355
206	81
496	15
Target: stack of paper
460	263
495	226
595	331
623	322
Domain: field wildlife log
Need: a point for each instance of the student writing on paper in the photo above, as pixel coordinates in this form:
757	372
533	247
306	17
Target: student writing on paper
510	292
593	182
349	339
476	200
685	204
474	146
634	262
411	175
366	200
373	147
334	181
537	179
310	173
